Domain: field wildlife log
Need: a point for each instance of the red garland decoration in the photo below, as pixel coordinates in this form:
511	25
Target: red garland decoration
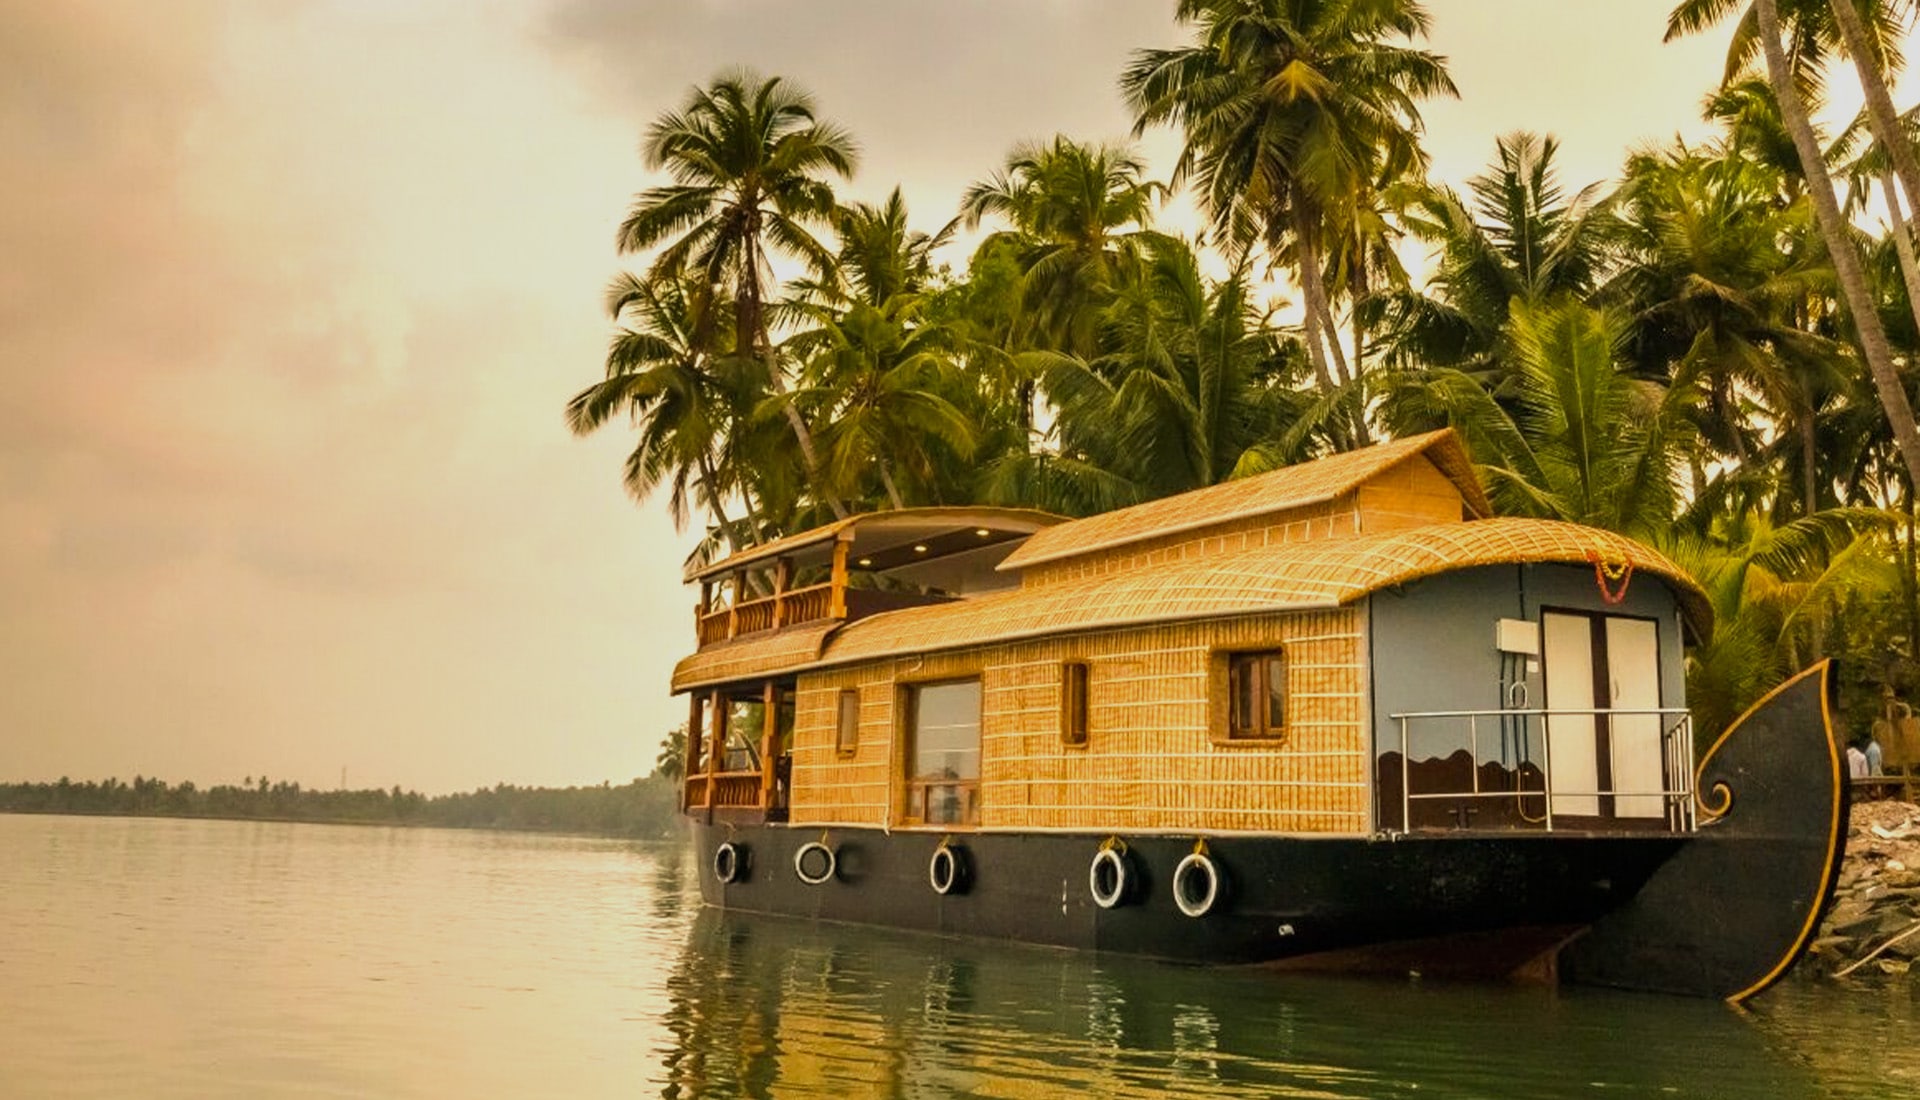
1607	575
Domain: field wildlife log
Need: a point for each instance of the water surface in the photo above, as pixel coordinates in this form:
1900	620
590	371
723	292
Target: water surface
143	957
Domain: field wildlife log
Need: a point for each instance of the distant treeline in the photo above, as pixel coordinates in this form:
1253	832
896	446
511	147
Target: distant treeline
644	808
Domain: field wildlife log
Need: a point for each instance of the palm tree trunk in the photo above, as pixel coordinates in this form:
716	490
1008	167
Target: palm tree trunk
714	505
1880	111
1331	326
1809	457
1309	259
753	327
1903	245
1846	261
1910	583
893	493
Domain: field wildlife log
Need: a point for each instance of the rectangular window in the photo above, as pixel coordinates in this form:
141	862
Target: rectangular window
1073	703
1257	695
943	757
846	733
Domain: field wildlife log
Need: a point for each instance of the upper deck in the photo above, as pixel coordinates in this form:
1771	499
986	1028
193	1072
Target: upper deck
859	566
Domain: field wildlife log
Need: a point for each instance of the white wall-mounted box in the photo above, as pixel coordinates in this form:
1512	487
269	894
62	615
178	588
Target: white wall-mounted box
1517	636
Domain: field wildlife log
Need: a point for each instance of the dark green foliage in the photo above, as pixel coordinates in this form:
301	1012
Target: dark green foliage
642	809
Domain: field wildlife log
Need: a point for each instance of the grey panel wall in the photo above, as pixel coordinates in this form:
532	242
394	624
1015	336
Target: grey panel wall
1432	641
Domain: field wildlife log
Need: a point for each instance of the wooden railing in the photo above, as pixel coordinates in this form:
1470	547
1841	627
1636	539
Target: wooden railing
736	789
713	625
811	604
724	789
754	616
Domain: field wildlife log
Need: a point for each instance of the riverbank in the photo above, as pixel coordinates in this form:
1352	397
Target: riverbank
643	809
1873	925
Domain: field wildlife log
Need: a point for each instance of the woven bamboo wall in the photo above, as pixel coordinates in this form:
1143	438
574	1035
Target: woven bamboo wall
1156	758
1411	493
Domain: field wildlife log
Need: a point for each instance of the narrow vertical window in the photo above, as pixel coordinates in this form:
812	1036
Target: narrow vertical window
1257	695
1073	703
846	736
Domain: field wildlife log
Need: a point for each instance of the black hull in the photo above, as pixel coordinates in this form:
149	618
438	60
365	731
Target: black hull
1285	897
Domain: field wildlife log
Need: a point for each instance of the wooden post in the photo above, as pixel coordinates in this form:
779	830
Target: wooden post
769	742
838	608
716	740
690	766
700	614
733	606
782	579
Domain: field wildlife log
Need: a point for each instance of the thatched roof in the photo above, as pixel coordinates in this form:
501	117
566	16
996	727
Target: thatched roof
1291	577
755	655
1300	486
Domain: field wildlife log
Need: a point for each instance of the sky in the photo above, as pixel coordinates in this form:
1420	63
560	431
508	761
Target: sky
292	293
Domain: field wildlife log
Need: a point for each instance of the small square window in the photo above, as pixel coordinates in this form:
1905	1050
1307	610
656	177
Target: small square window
1257	695
1073	704
846	734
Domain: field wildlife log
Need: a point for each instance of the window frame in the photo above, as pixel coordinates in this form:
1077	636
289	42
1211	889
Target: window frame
1076	682
1263	730
907	706
846	733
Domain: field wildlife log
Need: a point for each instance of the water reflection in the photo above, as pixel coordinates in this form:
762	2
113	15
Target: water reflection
765	1006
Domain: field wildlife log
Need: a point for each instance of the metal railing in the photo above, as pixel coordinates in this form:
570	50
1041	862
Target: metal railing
1517	724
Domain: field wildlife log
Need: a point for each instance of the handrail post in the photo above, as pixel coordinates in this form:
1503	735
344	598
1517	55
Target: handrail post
837	608
782	578
1473	744
1546	765
716	740
1406	793
769	741
690	764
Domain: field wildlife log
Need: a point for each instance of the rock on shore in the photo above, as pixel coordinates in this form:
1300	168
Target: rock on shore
1873	925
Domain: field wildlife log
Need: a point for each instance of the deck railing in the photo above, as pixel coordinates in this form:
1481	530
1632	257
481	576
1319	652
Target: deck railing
1522	728
811	604
727	790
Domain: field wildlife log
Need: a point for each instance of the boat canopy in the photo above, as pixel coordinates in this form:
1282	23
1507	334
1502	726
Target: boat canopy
953	550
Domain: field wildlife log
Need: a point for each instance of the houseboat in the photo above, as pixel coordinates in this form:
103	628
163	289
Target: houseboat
1338	715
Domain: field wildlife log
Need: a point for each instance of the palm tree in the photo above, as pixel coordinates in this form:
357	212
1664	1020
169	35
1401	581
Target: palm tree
1876	53
1290	108
671	763
879	255
1520	238
748	157
1074	210
1180	394
877	375
1789	83
667	369
1583	441
1715	268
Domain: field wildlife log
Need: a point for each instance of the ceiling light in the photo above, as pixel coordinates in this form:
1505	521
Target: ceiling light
866	561
919	547
982	532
